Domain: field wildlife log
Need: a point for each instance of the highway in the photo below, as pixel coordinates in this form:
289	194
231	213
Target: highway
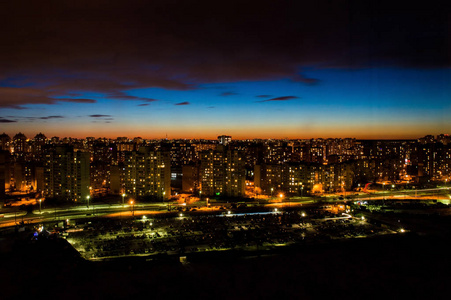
10	217
77	212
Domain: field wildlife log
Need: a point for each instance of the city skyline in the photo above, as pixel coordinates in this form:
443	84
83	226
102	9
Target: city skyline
370	70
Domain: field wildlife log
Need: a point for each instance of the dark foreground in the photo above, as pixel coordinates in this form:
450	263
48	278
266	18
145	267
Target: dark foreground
391	267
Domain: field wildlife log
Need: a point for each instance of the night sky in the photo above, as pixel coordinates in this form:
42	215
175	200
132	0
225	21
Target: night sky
249	69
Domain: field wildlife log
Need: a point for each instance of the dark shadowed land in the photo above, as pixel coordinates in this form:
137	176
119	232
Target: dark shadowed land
390	267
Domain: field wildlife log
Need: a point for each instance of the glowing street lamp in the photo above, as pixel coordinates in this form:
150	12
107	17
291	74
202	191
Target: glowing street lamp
133	207
123	195
87	197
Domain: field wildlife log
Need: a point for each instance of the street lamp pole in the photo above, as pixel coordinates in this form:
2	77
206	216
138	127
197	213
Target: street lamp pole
123	195
87	197
40	200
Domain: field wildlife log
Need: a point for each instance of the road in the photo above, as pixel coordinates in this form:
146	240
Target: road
10	217
77	212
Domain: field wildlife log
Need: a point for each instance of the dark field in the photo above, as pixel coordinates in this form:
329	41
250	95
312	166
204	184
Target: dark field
391	267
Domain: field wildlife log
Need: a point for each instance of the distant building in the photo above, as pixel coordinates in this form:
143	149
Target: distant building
3	170
224	139
147	173
115	180
190	178
19	143
222	172
5	142
66	174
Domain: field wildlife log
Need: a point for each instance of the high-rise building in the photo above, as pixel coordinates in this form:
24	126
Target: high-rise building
3	171
147	173
4	141
222	172
190	178
224	139
66	174
19	143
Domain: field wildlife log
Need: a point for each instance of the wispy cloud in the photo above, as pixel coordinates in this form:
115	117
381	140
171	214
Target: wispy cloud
2	120
183	103
283	98
100	116
51	117
225	94
119	95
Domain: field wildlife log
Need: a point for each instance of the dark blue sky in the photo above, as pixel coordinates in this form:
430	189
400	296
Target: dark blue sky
252	69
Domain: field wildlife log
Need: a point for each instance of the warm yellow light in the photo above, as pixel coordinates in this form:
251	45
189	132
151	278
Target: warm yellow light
281	195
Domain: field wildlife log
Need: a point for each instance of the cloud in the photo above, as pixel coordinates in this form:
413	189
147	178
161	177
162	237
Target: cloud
16	97
51	117
76	100
283	98
263	96
117	48
2	120
183	103
100	116
119	95
144	104
225	94
32	119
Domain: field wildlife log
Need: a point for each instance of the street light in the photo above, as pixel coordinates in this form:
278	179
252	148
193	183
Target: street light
87	197
123	195
133	207
40	200
272	189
